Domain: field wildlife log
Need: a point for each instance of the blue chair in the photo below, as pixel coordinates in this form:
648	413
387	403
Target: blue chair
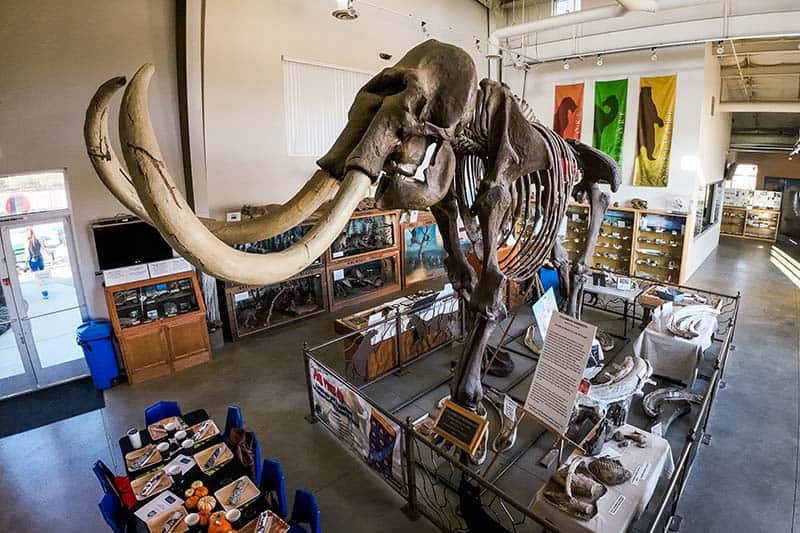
273	485
234	419
105	476
113	513
259	466
305	511
160	411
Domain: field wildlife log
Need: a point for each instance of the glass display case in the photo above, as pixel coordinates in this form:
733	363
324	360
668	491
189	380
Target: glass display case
762	224
733	220
423	251
277	243
255	309
659	247
577	226
364	234
369	279
147	303
613	250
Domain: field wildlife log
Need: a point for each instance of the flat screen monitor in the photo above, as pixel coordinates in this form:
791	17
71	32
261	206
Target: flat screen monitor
128	241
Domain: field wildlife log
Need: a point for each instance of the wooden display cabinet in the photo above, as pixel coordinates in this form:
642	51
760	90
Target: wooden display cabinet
733	220
367	232
160	324
362	278
615	242
253	310
577	227
660	250
762	224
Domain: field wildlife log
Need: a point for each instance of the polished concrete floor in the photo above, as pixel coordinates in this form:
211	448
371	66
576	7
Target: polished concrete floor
746	480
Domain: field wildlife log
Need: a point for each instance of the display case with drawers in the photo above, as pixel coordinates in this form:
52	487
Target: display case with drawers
160	324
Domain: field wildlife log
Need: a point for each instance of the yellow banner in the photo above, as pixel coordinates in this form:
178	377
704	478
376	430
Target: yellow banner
654	131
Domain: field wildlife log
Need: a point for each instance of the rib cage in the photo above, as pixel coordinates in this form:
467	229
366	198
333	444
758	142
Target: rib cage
539	203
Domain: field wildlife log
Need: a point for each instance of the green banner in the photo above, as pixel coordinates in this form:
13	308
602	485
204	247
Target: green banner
610	98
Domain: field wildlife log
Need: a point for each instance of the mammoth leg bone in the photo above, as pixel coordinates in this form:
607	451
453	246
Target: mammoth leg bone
486	304
560	259
598	204
459	271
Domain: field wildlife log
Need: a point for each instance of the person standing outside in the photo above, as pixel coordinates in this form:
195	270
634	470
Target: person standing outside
36	260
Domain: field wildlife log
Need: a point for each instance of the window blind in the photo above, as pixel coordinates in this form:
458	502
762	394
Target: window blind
317	99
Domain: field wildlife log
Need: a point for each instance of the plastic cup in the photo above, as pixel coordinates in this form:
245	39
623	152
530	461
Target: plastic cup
163	448
233	516
134	437
180	436
176	473
187	444
171	428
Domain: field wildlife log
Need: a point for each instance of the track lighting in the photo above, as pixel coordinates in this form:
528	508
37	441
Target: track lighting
566	65
599	61
720	49
345	10
653	55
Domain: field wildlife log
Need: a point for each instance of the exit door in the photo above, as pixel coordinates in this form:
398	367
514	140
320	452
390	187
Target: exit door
41	304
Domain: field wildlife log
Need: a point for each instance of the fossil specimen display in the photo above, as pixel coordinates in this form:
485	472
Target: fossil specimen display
475	154
363	235
260	307
360	279
667	404
573	490
689	321
609	471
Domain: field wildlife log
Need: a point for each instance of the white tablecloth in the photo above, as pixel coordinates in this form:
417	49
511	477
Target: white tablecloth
671	356
621	504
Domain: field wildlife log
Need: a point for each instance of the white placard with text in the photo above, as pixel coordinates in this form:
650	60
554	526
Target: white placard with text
559	371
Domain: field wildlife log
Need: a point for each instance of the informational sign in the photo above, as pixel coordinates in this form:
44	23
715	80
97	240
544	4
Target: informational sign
372	436
129	274
509	408
460	426
543	310
559	371
168	266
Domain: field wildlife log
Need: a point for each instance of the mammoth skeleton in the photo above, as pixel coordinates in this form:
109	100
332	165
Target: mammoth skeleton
430	136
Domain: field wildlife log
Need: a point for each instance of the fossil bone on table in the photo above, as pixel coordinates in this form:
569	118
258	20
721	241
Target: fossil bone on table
430	136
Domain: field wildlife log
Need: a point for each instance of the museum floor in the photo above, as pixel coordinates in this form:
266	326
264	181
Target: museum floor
746	480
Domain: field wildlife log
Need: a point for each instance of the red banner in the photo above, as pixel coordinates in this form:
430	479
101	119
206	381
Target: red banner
568	115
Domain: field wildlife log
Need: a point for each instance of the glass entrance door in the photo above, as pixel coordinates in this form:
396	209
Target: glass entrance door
47	299
16	368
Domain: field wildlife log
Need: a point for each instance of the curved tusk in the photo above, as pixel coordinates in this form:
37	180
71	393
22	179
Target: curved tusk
318	190
171	214
104	160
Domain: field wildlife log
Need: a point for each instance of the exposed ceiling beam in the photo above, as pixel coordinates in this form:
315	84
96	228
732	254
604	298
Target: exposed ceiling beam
785	69
760	107
762	47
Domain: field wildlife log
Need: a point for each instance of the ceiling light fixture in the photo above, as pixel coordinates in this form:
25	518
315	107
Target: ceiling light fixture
720	49
653	55
566	65
345	10
599	61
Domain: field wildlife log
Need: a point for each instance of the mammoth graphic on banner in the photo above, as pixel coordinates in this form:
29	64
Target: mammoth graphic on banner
370	434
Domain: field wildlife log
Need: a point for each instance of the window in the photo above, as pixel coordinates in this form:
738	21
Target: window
744	177
562	7
32	193
316	100
708	207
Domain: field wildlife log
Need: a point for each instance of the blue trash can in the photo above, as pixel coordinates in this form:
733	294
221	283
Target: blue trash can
94	336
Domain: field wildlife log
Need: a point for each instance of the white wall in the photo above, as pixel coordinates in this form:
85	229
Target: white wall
699	141
246	153
54	55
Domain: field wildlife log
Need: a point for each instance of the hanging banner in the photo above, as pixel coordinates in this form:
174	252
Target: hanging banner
654	131
568	114
610	98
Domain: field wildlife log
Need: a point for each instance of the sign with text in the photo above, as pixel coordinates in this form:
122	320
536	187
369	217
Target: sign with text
460	426
559	371
543	310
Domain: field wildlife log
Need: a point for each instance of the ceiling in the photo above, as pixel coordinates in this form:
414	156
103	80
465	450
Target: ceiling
766	70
